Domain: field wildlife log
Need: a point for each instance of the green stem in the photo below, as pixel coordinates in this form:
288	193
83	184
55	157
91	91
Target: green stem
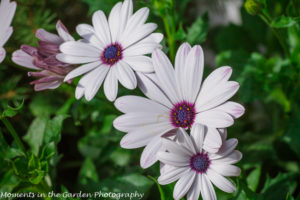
170	40
13	133
276	32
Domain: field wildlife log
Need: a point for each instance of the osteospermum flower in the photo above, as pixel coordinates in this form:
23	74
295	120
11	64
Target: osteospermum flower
177	99
112	50
7	11
50	71
196	167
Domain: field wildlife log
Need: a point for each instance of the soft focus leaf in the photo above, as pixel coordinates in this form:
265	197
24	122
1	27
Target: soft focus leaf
284	22
196	33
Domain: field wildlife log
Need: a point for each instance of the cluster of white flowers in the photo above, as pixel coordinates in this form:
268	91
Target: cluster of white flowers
182	120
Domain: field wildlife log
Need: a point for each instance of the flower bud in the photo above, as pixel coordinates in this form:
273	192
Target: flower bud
253	7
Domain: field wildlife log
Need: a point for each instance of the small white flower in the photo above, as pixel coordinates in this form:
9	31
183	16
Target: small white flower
196	167
7	11
176	100
113	49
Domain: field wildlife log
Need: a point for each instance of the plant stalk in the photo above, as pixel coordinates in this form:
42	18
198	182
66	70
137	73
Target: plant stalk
13	133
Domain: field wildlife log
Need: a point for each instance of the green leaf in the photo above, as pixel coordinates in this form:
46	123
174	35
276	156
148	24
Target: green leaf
289	197
35	134
278	96
285	22
12	111
53	129
162	194
120	157
292	136
253	178
278	187
88	172
8	182
196	33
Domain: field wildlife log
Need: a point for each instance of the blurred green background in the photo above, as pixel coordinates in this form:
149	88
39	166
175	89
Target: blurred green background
72	146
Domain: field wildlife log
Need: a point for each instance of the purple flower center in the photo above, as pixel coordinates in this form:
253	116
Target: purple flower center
112	54
200	162
183	114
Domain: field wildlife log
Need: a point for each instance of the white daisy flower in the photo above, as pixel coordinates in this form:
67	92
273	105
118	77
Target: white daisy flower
196	167
113	49
176	100
7	11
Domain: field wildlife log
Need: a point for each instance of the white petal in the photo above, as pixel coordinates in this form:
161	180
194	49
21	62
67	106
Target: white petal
207	189
183	185
219	181
80	49
165	74
111	85
227	147
151	90
140	63
173	159
180	59
62	32
79	92
3	54
131	121
212	141
88	33
135	23
186	140
141	137
175	148
7	11
194	191
46	86
149	157
226	170
198	133
99	74
192	74
130	38
125	75
101	27
113	21
137	19
75	59
21	58
217	77
128	104
48	37
234	109
141	49
172	175
5	35
125	14
213	118
82	70
216	89
232	158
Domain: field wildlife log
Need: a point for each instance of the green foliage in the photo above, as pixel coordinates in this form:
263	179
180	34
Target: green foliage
70	145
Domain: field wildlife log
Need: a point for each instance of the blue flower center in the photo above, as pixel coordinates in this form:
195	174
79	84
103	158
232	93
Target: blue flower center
183	114
200	162
112	54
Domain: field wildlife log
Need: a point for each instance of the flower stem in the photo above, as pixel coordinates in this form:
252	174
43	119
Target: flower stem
276	32
171	42
13	133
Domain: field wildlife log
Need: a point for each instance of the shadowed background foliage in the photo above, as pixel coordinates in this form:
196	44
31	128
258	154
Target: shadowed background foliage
70	145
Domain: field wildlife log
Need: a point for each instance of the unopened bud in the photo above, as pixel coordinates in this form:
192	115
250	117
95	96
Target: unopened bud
253	7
